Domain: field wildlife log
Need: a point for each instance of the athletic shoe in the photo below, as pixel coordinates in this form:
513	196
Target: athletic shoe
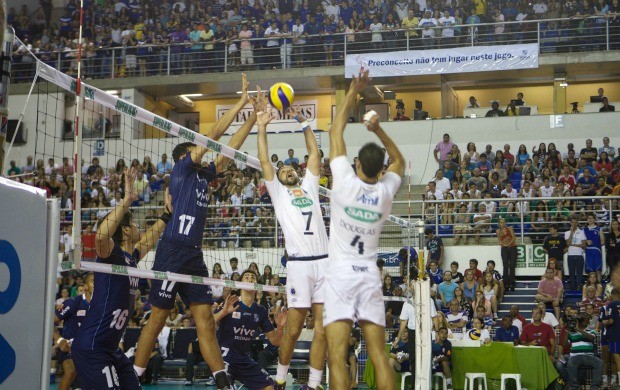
280	386
210	382
188	383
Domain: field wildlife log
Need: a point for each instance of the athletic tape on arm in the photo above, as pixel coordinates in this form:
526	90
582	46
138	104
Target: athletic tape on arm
54	76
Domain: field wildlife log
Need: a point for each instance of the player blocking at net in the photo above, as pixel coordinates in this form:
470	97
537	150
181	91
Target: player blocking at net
180	249
240	320
361	201
99	362
298	211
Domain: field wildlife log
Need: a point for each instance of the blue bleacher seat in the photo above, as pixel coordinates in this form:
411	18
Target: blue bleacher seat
446	230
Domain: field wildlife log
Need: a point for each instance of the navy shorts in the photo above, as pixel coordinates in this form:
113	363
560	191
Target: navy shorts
183	260
614	347
594	260
248	372
104	370
62	356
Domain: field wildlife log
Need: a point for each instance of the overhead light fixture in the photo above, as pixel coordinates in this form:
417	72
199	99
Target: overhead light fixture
387	91
188	95
240	92
113	92
564	84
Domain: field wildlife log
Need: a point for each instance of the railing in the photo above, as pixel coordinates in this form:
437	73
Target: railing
255	225
592	33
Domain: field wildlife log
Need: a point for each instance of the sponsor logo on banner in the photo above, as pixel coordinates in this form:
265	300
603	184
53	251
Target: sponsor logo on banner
538	258
126	108
521	256
229	283
258	287
119	269
301	202
241	156
160	275
164	124
197	279
88	91
217	148
442	61
187	134
362	214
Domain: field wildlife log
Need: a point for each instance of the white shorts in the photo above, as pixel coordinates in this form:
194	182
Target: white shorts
304	282
353	292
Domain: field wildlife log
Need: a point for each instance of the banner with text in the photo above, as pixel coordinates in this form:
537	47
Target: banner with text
282	123
441	61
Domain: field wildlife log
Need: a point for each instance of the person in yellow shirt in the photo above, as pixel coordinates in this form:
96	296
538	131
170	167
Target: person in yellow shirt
410	24
511	109
139	29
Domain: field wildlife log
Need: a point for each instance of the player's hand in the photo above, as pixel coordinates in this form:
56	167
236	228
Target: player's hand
359	83
395	343
280	318
65	346
230	304
167	201
372	124
295	113
131	194
264	117
244	88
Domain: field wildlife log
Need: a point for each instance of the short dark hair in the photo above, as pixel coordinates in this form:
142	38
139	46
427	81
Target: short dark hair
234	259
474	260
491	262
180	150
125	221
428	231
371	158
455	263
248	271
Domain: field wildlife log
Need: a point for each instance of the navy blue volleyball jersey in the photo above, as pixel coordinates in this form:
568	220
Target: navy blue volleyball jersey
238	329
189	185
72	313
111	306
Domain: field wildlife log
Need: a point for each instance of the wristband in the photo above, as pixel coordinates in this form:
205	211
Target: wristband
165	217
60	339
304	124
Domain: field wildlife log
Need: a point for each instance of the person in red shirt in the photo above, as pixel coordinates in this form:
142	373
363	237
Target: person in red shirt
473	265
537	333
88	244
550	291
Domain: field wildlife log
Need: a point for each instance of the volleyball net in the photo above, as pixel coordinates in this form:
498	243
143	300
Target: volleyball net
129	129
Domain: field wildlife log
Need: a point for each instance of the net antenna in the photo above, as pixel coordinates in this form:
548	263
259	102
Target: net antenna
77	152
5	81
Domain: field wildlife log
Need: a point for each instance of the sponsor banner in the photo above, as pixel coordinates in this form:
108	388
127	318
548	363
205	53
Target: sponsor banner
282	123
442	61
531	256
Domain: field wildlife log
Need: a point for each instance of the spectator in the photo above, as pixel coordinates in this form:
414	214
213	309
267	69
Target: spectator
517	319
590	299
472	103
234	267
482	222
457	277
477	332
592	281
610	150
494	111
582	353
606	106
508	242
457	319
555	245
481	301
612	242
434	245
554	265
461	224
408	255
435	272
490	288
550	291
576	241
291	158
442	148
442	355
441	183
548	318
445	290
595	240
354	340
537	333
399	356
507	332
191	360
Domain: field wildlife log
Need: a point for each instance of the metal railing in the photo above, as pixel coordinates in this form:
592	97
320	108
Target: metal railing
593	33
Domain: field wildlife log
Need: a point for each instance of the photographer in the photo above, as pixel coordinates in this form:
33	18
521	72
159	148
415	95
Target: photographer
582	352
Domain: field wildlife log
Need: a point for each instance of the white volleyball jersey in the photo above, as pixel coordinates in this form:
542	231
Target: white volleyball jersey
358	211
299	213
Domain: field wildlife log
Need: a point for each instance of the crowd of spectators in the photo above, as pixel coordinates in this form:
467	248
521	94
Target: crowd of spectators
521	186
196	36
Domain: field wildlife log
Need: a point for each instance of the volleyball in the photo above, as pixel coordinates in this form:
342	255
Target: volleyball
475	334
281	96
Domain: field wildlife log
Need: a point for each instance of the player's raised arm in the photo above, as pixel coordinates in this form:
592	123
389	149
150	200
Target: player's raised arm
242	134
230	305
398	161
314	157
106	229
337	146
222	125
263	119
275	336
150	238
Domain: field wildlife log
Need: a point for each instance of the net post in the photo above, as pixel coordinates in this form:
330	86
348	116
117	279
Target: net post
5	81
